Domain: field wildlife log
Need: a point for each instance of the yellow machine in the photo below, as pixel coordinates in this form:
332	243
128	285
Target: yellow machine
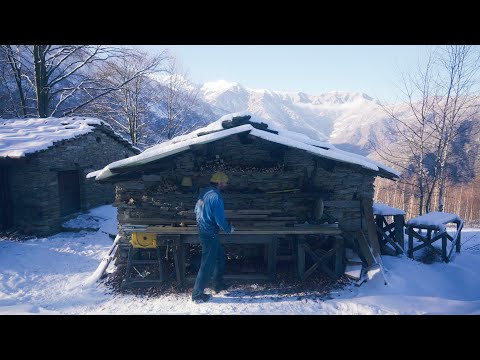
144	240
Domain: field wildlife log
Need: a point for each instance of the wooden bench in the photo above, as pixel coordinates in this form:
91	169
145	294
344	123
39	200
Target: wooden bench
435	225
179	238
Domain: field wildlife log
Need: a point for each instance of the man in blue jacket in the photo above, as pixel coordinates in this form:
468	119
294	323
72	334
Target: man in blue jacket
210	215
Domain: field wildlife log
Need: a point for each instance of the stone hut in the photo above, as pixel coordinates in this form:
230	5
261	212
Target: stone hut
43	163
276	177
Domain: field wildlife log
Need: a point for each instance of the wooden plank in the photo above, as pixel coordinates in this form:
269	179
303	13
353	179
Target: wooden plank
342	204
365	248
231	216
339	256
425	227
372	232
267	223
253	211
157	221
312	230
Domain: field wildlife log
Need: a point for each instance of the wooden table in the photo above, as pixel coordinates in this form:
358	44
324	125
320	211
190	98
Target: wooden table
434	223
181	237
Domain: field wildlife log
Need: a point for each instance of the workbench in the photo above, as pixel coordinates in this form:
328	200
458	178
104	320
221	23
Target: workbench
179	238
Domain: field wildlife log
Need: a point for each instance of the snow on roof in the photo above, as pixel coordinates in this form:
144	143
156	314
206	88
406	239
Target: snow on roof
216	131
385	210
19	137
435	218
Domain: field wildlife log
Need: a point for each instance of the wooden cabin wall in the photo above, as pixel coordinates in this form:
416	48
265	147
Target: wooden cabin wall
256	168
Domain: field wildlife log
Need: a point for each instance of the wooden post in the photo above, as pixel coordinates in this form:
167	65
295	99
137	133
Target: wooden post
183	260
372	231
379	222
339	255
459	237
444	247
177	258
160	264
399	224
272	258
126	280
410	242
301	257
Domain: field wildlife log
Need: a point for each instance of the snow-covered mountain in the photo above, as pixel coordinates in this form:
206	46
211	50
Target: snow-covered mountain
347	118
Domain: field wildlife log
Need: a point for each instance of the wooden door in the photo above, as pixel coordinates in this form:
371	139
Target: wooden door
69	191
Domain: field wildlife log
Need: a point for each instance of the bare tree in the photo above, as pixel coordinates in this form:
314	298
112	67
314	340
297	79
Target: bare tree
62	75
413	130
441	108
455	105
179	98
16	67
130	106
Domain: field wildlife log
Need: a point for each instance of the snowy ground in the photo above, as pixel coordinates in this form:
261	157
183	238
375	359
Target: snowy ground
45	276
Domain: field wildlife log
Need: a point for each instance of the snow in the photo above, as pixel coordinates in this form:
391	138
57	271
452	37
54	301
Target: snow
435	218
46	276
385	210
285	137
19	137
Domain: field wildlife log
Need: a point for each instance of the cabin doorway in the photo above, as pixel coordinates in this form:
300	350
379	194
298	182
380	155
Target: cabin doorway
6	213
69	191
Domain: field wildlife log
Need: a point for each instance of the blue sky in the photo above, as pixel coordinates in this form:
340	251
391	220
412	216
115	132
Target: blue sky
314	69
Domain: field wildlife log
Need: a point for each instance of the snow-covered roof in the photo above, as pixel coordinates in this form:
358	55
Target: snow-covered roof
435	219
385	210
215	131
19	137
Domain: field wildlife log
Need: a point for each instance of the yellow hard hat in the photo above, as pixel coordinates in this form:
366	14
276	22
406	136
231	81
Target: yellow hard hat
219	177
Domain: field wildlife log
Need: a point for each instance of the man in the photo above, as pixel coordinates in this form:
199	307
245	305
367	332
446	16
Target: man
210	215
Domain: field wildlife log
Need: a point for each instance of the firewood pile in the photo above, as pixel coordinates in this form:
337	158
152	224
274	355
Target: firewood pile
166	187
219	165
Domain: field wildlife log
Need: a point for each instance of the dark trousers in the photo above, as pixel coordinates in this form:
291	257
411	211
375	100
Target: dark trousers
212	263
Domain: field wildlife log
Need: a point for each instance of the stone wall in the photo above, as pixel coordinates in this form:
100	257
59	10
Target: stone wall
34	182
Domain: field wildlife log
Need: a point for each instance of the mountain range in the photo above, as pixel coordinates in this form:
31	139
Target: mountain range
349	120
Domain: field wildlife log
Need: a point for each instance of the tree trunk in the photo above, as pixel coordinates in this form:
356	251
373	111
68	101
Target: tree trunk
41	80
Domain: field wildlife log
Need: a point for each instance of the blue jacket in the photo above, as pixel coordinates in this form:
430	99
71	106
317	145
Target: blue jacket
210	212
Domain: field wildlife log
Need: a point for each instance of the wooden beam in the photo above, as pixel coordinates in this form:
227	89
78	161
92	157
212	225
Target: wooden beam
307	230
365	248
399	226
381	233
342	204
367	208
